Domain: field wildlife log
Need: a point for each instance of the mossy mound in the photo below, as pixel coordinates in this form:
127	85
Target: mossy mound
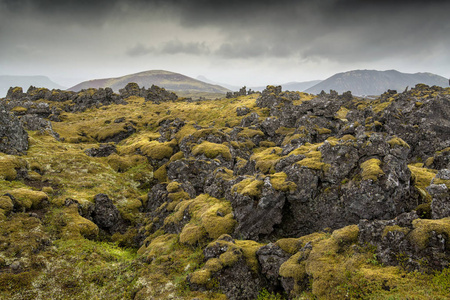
212	150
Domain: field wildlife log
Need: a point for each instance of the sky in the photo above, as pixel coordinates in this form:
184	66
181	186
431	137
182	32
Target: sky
235	42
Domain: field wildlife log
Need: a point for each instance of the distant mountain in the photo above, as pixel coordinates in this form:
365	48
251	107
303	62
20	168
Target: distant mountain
7	81
292	86
168	80
233	88
372	82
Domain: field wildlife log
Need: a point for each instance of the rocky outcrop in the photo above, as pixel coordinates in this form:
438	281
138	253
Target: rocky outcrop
13	137
413	243
106	215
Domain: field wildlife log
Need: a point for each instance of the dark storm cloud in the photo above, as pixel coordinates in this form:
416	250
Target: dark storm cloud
342	31
172	47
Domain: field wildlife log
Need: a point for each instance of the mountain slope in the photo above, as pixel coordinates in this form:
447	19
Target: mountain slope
168	80
372	82
7	81
292	86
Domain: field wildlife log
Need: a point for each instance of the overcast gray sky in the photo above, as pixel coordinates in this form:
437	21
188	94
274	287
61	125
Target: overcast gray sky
235	42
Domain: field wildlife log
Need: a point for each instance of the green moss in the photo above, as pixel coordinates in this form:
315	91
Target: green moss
156	150
346	235
8	166
313	161
278	181
177	156
322	130
27	199
161	173
124	163
173	187
192	234
249	249
267	144
106	132
290	245
423	229
422	179
396	141
266	159
248	187
394	228
371	169
19	109
6	204
342	114
212	150
250	133
77	226
285	131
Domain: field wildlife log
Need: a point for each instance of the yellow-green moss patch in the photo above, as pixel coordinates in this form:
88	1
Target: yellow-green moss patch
278	181
266	159
212	150
248	187
27	199
371	169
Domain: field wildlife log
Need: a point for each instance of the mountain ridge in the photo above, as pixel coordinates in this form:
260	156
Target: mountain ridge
374	82
166	79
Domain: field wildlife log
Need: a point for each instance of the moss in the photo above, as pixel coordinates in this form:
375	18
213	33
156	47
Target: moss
192	234
266	159
218	220
295	270
290	245
177	156
250	133
289	138
422	179
27	199
342	114
322	130
371	169
278	181
249	249
285	131
201	277
106	132
173	187
396	141
6	204
313	161
395	228
8	166
77	226
156	150
346	235
423	230
186	131
248	187
124	163
161	173
177	196
19	110
267	144
212	150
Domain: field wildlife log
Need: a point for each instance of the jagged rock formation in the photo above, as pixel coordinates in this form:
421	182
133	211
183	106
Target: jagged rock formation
329	196
13	138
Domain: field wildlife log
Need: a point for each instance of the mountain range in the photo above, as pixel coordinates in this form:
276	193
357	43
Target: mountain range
359	82
7	81
372	82
169	80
